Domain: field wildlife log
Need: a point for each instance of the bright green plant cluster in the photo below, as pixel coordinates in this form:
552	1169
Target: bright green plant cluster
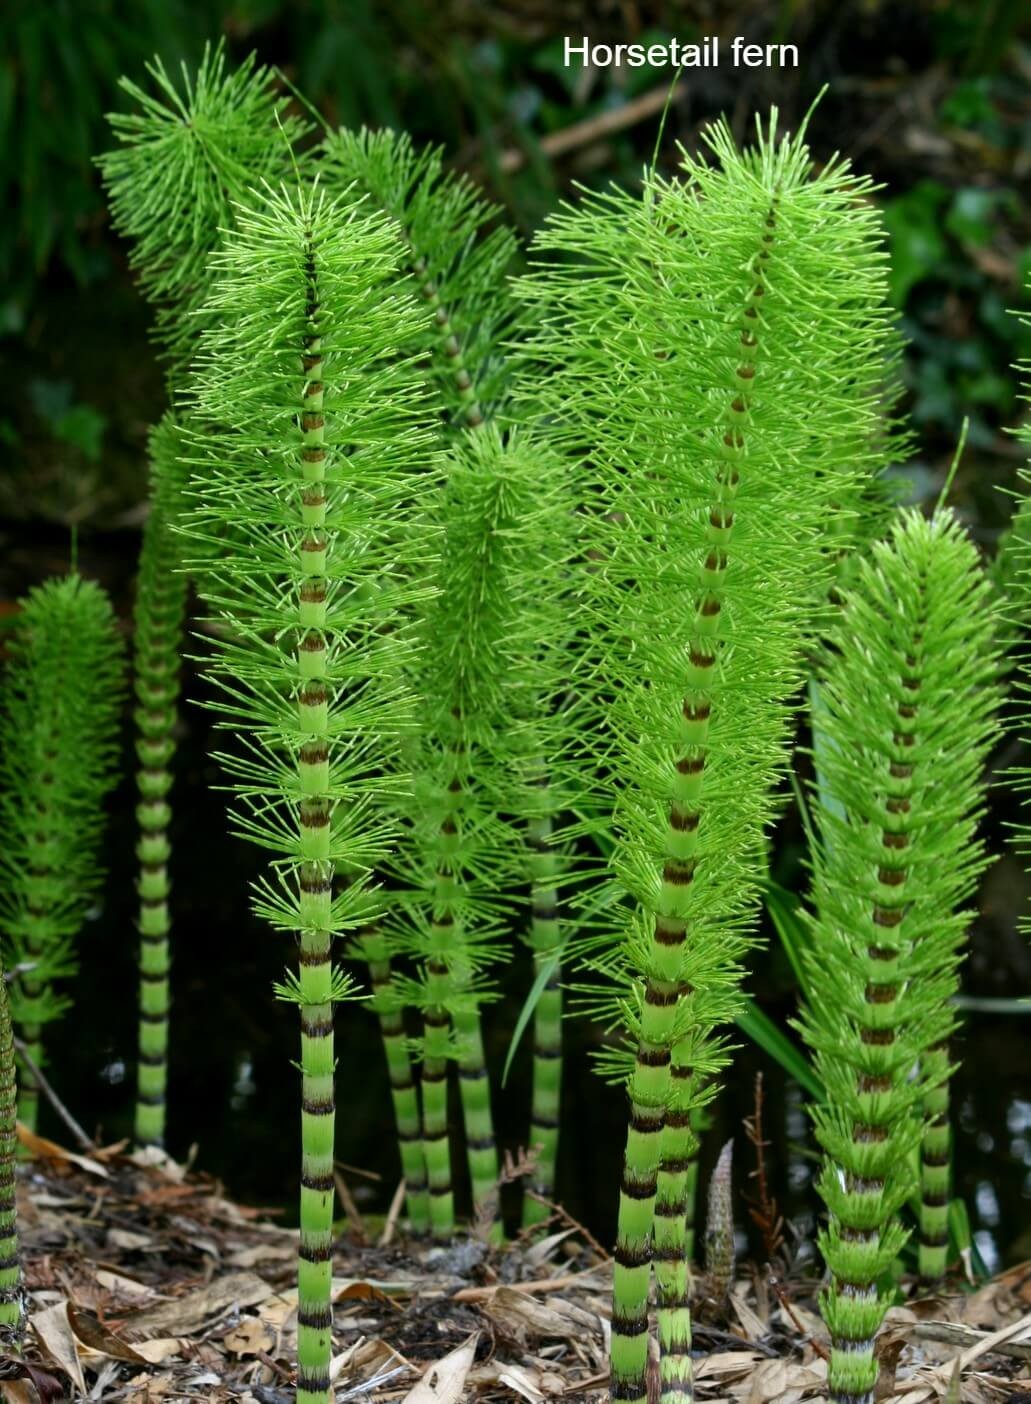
909	696
61	704
511	593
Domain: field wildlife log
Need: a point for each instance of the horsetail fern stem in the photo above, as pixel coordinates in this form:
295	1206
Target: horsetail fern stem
502	516
461	277
160	607
11	1316
317	475
908	709
721	368
461	283
184	158
61	705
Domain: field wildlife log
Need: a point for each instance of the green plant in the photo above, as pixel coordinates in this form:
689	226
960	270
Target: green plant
486	680
59	718
185	163
11	1315
315	474
460	271
908	703
158	617
721	352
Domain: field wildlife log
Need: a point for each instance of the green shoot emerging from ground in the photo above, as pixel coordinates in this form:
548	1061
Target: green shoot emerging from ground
61	705
317	472
158	617
721	363
907	714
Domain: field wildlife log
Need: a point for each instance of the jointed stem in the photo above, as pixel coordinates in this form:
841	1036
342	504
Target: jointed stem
315	877
160	605
11	1319
546	940
373	948
935	1168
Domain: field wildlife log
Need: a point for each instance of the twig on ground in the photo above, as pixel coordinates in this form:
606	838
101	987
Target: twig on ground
564	1215
355	1222
393	1214
85	1142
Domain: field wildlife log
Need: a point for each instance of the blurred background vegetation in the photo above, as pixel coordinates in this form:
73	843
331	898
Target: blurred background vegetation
931	98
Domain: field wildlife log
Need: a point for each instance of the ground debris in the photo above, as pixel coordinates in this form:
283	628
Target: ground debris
145	1284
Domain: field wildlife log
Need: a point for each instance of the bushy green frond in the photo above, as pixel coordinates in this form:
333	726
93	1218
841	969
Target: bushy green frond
460	271
183	159
720	351
721	355
61	705
908	707
304	277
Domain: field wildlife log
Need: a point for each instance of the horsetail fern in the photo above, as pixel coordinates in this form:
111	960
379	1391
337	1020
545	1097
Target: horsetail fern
501	520
721	365
315	472
11	1318
58	750
461	274
908	711
460	279
160	607
184	158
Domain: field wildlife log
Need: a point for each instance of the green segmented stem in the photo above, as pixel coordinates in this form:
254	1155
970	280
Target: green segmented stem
11	1315
481	1149
673	1147
546	941
472	411
315	878
436	1147
935	1168
908	704
373	949
159	614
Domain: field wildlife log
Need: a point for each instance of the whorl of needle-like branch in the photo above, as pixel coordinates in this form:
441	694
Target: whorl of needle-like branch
184	157
61	705
720	349
908	706
318	472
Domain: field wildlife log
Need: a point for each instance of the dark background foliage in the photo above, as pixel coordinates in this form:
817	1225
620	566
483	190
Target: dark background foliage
930	98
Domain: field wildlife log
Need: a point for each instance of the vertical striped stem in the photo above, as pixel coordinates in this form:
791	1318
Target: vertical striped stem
436	1144
160	606
670	1252
479	1124
315	878
34	993
373	948
935	1167
852	1374
450	344
546	941
11	1319
678	1140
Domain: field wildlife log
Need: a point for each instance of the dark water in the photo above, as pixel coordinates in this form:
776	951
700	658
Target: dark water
234	1094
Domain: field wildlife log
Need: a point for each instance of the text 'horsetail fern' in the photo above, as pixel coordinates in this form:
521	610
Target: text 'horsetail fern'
721	364
318	473
907	714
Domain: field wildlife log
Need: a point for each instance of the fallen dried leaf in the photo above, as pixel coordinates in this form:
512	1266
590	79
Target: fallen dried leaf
100	1338
50	1150
249	1337
190	1313
444	1381
54	1332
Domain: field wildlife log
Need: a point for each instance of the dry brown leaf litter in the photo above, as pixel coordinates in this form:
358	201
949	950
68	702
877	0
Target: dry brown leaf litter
145	1284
